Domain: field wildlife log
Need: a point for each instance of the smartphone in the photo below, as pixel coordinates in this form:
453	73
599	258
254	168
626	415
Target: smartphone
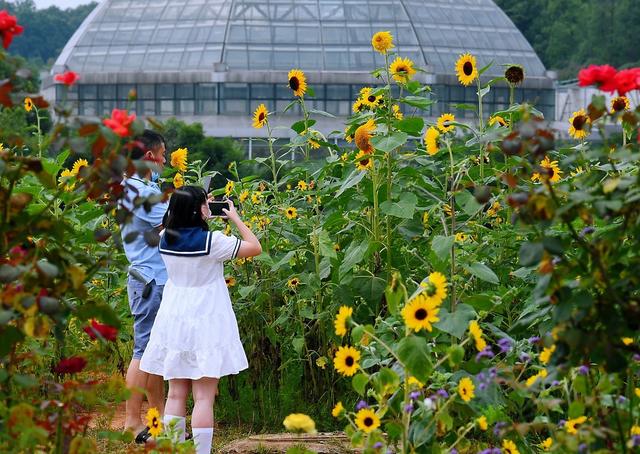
217	206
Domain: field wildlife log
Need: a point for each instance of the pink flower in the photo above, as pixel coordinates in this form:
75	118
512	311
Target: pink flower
120	122
68	78
71	365
603	76
8	28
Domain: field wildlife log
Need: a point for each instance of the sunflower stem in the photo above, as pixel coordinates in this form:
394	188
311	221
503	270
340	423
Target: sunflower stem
481	126
274	171
453	230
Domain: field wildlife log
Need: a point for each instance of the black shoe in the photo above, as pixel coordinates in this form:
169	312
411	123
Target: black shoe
143	436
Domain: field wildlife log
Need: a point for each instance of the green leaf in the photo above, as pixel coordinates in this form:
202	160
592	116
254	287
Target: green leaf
310	92
246	290
485	68
531	253
353	179
465	106
484	91
395	296
394	430
359	383
354	254
385	381
482	271
456	323
298	344
411	125
576	409
299	126
441	245
326	245
9	335
387	144
418	101
403	208
414	352
480	302
322	113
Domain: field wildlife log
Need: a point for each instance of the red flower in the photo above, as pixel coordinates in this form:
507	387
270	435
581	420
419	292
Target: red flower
68	78
8	28
96	328
627	80
602	76
119	122
70	365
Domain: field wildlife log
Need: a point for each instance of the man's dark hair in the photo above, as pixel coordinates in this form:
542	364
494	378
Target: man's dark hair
149	140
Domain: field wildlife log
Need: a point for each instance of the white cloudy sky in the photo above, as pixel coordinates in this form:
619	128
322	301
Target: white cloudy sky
60	3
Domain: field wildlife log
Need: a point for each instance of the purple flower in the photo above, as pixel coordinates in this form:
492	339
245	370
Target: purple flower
583	370
524	357
505	345
498	427
453	451
496	451
408	408
414	395
493	372
362	404
636	440
561	423
583	447
480	376
636	357
534	339
486	451
555	383
377	445
587	230
442	393
482	386
622	399
486	353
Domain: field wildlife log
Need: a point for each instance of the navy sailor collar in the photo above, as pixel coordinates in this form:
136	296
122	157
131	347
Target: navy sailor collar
192	242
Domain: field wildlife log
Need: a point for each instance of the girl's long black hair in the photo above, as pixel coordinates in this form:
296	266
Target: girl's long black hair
184	211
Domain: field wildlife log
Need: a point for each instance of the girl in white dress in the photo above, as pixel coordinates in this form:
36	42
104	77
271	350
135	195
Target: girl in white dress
195	340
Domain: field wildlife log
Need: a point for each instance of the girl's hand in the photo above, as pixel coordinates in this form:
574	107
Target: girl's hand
231	213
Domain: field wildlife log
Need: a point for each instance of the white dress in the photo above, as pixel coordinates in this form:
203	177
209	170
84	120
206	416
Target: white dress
195	333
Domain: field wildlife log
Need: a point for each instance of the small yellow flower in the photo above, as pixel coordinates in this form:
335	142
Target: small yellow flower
397	112
382	42
431	140
344	157
230	281
620	104
367	421
228	189
291	213
256	198
179	159
482	422
358	106
425	218
546	354
337	410
402	70
346	360
447	209
573	425
635	430
302	185
364	161
244	195
153	422
444	121
466	69
509	447
534	378
546	444
637	392
466	389
28	104
178	180
66	178
293	283
499	120
79	164
299	422
413	381
627	340
553	173
461	237
314	144
340	323
297	82
260	116
579	124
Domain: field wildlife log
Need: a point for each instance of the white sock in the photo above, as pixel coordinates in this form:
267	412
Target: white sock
203	438
180	425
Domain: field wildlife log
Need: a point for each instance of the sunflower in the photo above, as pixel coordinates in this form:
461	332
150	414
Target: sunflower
291	213
466	388
514	75
178	180
371	101
230	281
244	195
260	116
476	333
509	447
534	378
228	189
419	313
620	104
579	125
179	159
363	161
397	112
79	164
297	82
461	237
499	120
302	185
363	135
546	354
435	288
366	420
293	283
299	422
382	42
627	340
466	69
28	104
431	140
443	122
256	198
413	381
314	144
546	444
348	136
340	323
346	361
65	178
337	410
359	106
572	425
402	70
635	430
637	392
482	422
153	422
553	173
447	209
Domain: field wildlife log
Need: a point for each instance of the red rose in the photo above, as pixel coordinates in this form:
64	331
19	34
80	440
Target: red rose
119	122
70	365
627	80
8	28
68	78
602	76
96	328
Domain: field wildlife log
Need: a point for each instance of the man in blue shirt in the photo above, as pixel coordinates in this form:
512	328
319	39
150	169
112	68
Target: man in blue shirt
147	274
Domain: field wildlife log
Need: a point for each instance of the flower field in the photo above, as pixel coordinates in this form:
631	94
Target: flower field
431	286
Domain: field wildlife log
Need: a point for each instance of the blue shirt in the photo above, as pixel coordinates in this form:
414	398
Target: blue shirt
143	258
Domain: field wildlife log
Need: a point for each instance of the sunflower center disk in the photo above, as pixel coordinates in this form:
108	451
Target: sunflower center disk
348	361
294	83
421	314
371	98
467	68
579	122
619	105
368	421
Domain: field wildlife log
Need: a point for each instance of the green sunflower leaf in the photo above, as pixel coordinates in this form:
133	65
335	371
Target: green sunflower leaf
386	144
414	352
417	101
482	271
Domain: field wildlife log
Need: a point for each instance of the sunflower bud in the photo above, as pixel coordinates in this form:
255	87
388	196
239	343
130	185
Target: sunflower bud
514	75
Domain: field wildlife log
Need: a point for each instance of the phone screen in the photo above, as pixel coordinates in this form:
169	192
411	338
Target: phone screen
216	207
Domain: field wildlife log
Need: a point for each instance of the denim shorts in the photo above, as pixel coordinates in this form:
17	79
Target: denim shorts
144	312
